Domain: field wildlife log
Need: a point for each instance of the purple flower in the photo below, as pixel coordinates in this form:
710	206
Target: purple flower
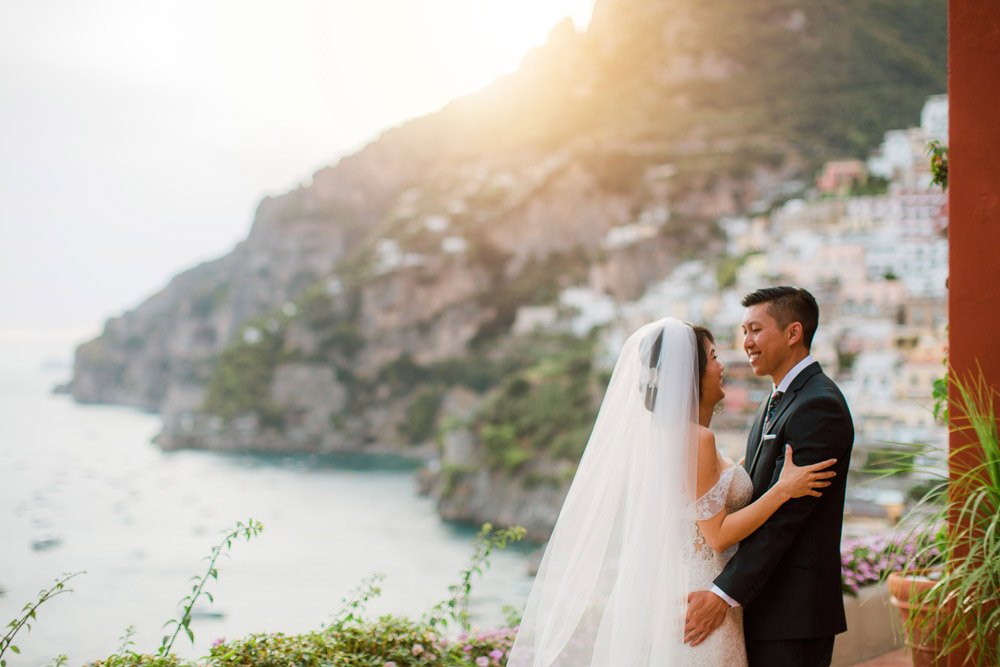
865	560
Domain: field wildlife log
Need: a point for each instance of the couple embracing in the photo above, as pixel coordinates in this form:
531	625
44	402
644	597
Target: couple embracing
668	553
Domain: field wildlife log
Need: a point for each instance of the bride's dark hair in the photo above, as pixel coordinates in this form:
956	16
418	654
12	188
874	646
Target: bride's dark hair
701	334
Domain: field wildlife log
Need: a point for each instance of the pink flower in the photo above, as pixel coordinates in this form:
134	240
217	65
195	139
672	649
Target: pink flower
496	654
389	664
417	649
219	642
482	661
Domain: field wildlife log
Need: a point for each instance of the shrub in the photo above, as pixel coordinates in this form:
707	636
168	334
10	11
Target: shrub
29	614
131	659
389	640
241	381
402	374
365	644
546	408
421	415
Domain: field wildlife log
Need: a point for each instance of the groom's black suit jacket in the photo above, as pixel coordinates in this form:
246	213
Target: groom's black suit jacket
787	573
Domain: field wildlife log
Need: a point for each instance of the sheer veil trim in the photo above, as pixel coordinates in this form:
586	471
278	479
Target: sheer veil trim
611	588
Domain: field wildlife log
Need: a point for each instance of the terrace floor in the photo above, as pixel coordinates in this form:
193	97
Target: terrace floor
895	659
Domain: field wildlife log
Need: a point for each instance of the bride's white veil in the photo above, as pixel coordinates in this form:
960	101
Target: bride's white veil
611	588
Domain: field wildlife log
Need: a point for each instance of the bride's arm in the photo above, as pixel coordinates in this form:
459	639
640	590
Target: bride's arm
724	530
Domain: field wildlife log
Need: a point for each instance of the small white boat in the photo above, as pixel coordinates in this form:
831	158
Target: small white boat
45	542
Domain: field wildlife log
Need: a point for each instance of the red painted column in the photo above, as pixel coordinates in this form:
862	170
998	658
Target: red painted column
974	186
973	198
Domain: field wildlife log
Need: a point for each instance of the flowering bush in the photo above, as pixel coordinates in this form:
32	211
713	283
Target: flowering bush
487	649
352	639
388	642
867	560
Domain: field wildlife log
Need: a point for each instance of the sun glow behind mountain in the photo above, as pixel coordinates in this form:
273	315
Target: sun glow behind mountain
137	125
462	44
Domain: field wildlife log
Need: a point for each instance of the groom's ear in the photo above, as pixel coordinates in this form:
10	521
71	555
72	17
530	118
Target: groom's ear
794	333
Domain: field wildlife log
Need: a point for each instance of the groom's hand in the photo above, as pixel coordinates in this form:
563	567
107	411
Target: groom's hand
705	613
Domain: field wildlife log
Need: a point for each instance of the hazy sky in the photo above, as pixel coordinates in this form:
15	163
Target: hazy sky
136	137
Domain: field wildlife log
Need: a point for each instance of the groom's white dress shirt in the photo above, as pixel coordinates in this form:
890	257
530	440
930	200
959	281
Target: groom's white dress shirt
783	386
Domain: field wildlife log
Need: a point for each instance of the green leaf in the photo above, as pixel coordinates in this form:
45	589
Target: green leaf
15	649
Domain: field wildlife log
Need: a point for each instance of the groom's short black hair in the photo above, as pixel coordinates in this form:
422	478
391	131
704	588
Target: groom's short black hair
786	305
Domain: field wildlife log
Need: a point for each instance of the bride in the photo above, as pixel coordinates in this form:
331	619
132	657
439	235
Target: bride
655	511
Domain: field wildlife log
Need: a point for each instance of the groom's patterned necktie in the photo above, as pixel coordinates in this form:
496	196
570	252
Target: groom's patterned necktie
772	405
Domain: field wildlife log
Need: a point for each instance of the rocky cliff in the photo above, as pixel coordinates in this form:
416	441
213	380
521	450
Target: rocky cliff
374	307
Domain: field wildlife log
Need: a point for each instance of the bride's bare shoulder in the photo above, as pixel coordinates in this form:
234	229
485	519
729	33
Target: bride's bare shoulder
709	469
706	439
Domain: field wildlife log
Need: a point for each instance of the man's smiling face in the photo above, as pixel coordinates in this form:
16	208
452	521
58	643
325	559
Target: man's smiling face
764	340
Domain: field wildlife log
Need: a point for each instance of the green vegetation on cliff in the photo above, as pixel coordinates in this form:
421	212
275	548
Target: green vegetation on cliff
544	410
241	380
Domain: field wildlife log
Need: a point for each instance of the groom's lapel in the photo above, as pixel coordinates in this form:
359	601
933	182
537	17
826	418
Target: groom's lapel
783	405
793	389
753	439
766	438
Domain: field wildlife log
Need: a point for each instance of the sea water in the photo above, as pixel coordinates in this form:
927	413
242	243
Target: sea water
83	489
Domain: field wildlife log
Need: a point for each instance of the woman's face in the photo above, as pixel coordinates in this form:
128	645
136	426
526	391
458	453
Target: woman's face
711	380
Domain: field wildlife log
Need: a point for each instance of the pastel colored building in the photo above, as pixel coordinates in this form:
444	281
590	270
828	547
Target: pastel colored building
838	176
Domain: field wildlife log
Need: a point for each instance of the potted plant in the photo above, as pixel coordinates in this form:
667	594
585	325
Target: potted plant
908	589
951	612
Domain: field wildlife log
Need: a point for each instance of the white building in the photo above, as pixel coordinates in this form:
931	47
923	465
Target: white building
689	293
626	235
922	265
591	308
903	153
862	214
892	156
921	211
934	118
535	318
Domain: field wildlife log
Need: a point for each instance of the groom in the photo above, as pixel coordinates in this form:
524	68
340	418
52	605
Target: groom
786	575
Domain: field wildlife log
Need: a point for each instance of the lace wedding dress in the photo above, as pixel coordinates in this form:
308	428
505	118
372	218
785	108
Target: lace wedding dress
724	646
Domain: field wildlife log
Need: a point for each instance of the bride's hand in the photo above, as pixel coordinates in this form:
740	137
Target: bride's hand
797	481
